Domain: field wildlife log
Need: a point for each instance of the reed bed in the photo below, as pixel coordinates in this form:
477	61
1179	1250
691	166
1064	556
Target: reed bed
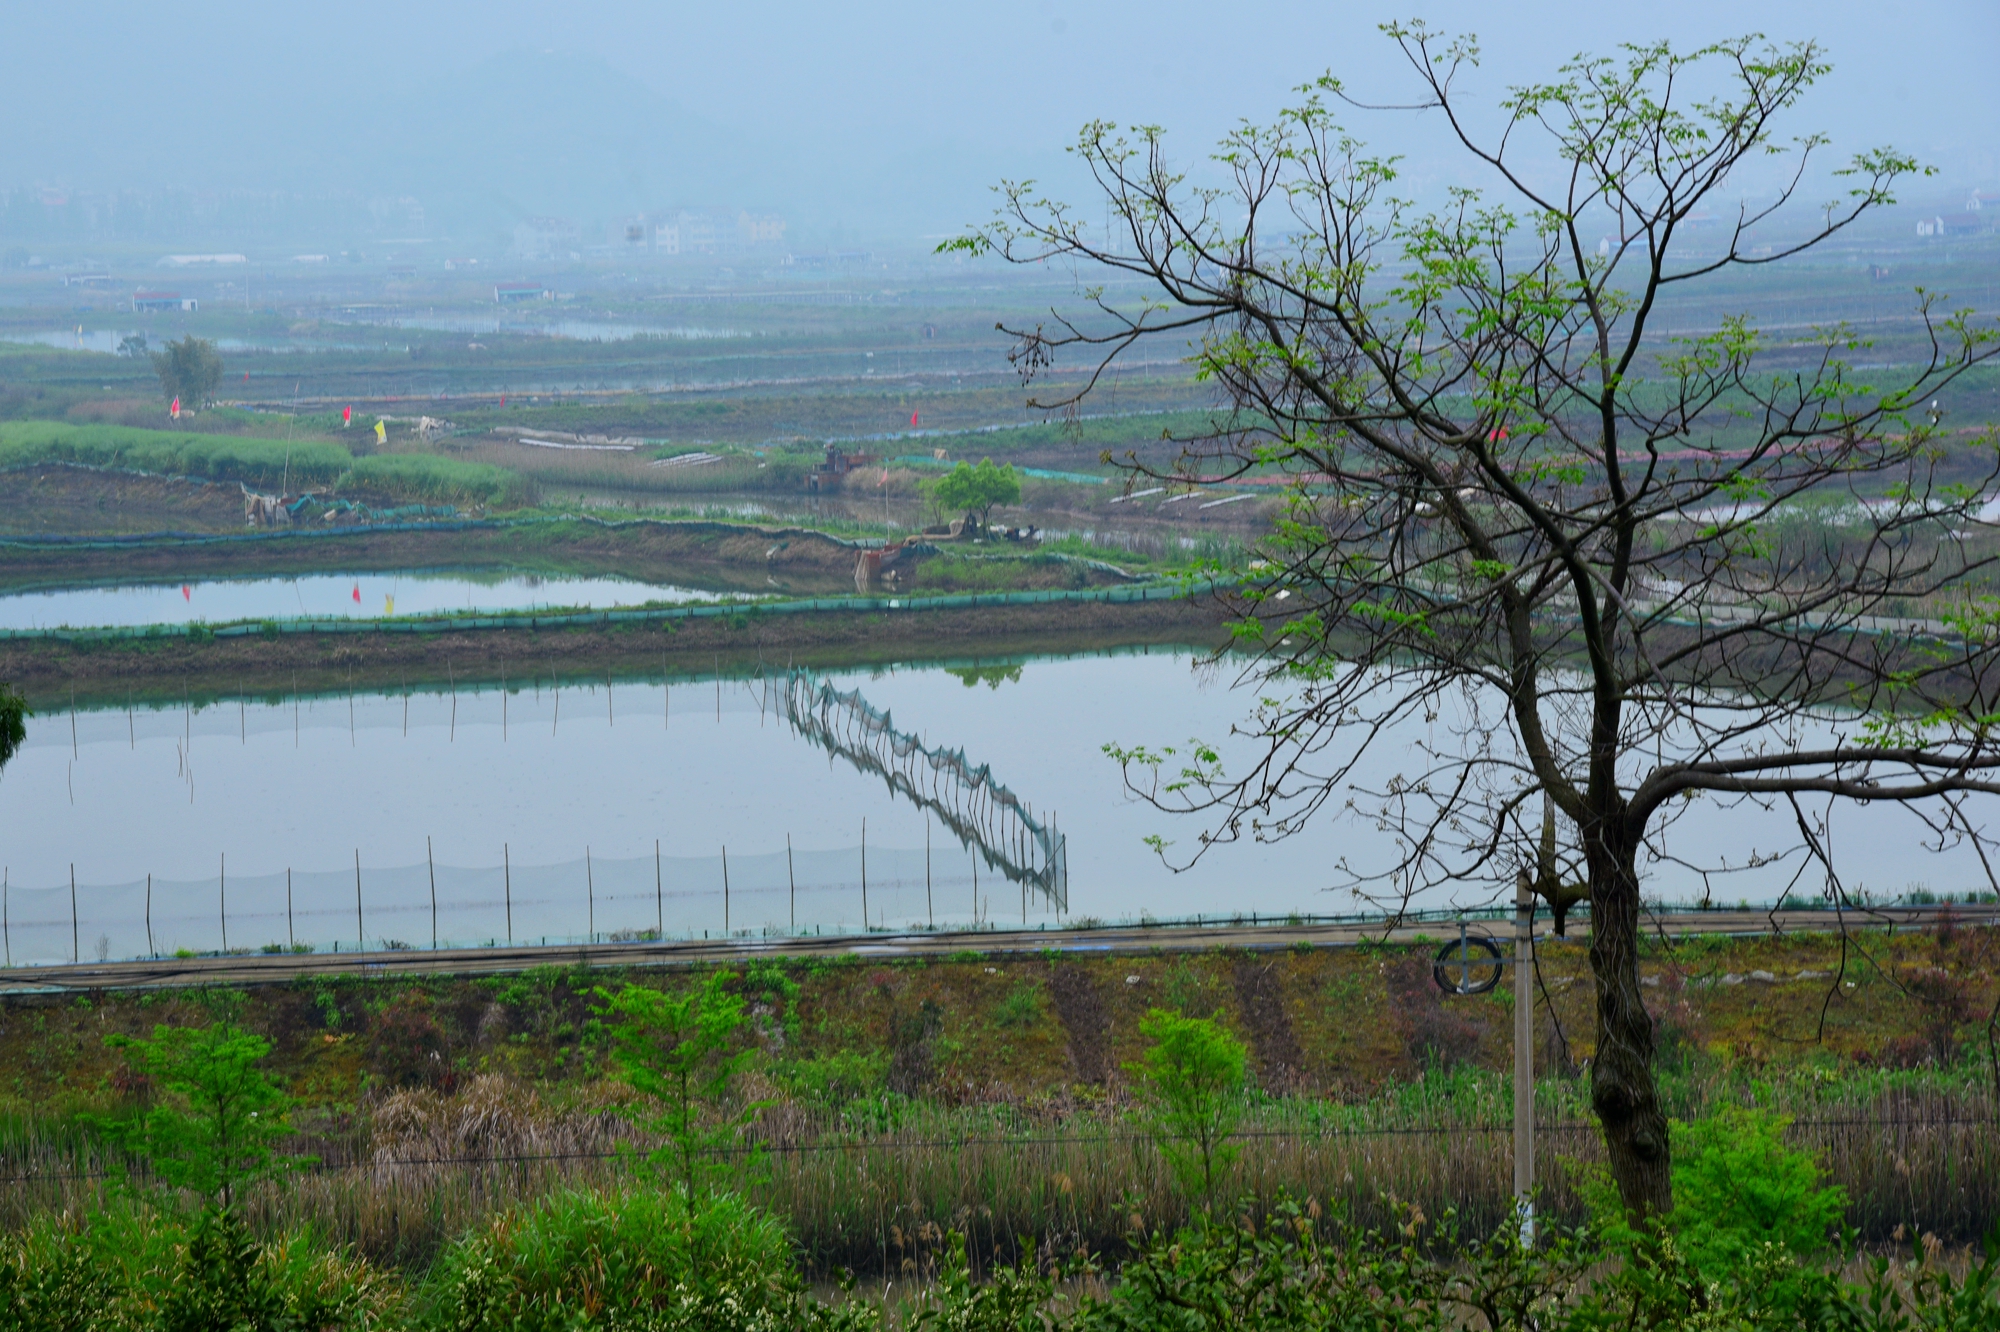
878	1186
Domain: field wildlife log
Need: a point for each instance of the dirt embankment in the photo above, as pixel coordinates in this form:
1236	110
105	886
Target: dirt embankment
47	671
716	556
61	500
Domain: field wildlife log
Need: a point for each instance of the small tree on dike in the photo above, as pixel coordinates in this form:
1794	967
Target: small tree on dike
682	1051
1192	1081
976	491
218	1116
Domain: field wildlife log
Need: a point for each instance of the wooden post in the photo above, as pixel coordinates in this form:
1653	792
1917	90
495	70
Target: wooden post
1524	1059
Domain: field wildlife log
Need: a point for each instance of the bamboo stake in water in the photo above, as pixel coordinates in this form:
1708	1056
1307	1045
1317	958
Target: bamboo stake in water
590	886
291	936
725	892
360	929
222	897
864	876
792	875
430	862
7	928
507	871
659	895
75	953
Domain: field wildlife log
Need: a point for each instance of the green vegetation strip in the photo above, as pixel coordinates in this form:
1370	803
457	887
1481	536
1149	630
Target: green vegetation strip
264	462
634	615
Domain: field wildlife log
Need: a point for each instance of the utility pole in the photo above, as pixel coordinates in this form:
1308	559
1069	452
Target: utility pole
1524	1058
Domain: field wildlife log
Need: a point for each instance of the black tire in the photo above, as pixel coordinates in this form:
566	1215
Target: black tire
1478	974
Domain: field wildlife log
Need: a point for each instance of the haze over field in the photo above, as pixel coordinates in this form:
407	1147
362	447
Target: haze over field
889	120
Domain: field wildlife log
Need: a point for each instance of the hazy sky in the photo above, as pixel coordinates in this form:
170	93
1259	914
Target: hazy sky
901	110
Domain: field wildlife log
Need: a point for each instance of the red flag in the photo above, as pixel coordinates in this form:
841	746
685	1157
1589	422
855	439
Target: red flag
503	400
357	594
346	415
176	408
246	376
186	594
913	418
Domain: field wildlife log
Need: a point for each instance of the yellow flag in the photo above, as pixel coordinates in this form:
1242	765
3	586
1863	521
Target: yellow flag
388	605
381	433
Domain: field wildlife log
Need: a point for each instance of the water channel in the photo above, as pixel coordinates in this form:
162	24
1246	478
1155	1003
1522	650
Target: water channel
336	596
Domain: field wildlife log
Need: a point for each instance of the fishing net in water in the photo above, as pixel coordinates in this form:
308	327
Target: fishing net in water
968	800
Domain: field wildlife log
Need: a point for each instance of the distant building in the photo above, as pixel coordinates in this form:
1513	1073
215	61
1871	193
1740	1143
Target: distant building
760	228
545	238
201	260
513	293
95	278
1981	200
163	300
1950	225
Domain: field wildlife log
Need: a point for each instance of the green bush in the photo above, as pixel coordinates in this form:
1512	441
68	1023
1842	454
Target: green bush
129	1268
1738	1187
637	1258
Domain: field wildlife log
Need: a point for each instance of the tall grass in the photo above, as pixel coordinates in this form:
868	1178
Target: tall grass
261	462
264	463
427	476
876	1184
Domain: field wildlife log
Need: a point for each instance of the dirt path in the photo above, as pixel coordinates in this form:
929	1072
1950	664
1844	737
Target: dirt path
1280	1062
1081	1006
261	969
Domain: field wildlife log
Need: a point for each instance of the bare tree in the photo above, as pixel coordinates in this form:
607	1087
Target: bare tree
1613	569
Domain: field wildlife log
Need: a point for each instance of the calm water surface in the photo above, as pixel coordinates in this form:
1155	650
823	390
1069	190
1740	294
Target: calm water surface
596	808
219	601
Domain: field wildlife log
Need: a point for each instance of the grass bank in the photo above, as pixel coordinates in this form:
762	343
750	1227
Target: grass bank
994	1096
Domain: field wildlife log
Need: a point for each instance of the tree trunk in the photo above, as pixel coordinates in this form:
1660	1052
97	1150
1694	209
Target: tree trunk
1622	1090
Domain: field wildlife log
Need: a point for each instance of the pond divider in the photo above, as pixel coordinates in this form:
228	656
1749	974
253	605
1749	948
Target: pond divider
434	624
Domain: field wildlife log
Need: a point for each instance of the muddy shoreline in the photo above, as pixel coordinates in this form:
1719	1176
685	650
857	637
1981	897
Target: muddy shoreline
51	673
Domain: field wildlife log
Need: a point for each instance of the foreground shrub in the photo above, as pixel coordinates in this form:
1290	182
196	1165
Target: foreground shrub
129	1269
638	1259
